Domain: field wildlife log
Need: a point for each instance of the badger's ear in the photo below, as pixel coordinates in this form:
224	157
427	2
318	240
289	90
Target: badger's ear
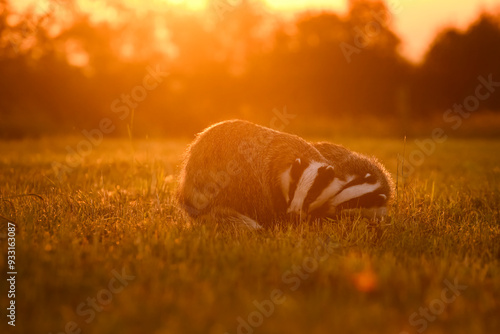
330	172
297	167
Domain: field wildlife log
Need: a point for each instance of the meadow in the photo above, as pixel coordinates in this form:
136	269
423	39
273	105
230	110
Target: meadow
103	248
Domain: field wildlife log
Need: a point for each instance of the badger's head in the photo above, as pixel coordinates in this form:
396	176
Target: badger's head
369	187
317	189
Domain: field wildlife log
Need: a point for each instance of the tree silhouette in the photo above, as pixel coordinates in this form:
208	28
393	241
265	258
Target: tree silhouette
62	71
453	63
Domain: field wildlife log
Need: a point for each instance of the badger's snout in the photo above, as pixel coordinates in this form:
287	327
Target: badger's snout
294	209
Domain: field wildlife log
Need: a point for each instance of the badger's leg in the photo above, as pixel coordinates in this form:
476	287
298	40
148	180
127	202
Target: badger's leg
231	217
248	222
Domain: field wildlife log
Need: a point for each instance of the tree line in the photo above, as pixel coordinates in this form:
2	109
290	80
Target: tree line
175	71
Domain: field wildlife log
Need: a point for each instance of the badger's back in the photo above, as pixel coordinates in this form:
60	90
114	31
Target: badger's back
216	164
333	152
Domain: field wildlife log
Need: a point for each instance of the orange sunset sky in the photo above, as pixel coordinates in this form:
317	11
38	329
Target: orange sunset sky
416	21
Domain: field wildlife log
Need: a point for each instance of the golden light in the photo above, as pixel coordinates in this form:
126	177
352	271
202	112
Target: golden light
194	5
297	5
416	22
162	4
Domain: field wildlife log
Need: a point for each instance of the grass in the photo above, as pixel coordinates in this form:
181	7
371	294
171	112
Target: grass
115	212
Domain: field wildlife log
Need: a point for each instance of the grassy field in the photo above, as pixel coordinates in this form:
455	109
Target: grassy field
103	249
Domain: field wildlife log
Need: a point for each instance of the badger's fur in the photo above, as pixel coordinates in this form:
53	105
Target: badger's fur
240	172
367	184
237	171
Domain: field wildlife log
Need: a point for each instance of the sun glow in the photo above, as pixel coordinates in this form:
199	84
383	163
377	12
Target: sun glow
297	5
195	5
408	22
157	4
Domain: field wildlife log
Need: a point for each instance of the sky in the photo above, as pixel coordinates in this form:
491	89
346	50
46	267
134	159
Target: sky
416	21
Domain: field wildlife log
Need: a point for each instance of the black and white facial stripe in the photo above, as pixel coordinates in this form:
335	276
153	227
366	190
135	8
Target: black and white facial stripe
325	176
314	188
290	178
306	183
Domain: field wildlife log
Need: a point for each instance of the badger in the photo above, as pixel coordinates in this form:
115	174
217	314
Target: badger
242	173
237	171
367	185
